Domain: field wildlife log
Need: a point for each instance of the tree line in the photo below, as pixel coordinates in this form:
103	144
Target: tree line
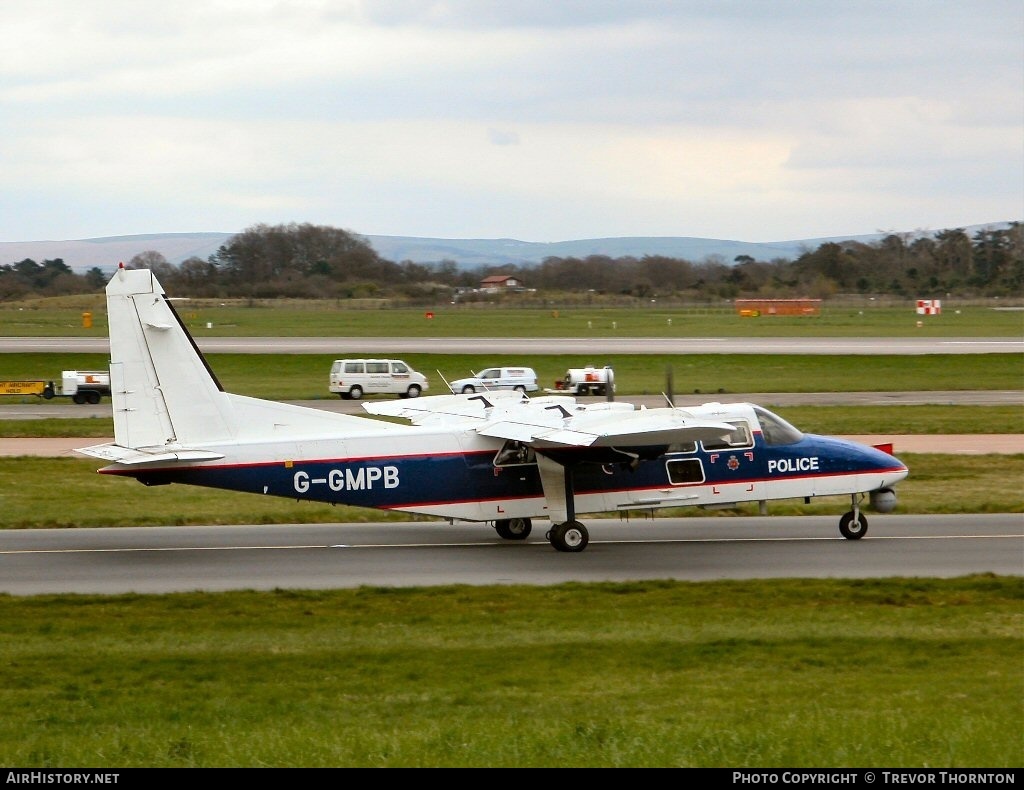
315	261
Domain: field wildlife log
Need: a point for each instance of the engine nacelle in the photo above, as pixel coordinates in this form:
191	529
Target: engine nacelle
883	500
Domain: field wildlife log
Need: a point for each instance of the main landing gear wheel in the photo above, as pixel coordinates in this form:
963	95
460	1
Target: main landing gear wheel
569	536
853	527
513	528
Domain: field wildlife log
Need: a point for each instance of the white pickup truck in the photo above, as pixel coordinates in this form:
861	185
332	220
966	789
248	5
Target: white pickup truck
518	379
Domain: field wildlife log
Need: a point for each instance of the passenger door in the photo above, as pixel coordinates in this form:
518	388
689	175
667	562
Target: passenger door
378	377
400	377
491	378
733	467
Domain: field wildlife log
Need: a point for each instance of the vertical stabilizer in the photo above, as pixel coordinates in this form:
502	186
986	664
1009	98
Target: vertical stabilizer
162	390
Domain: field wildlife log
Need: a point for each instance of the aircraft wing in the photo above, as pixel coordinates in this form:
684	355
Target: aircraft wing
557	421
609	428
434	408
125	455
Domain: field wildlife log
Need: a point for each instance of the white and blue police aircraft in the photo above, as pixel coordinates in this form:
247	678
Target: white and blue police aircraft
498	458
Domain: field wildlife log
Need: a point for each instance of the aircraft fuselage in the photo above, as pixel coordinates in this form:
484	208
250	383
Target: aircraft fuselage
455	475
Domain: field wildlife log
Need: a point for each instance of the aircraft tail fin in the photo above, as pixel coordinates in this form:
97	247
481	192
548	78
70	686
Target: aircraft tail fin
162	389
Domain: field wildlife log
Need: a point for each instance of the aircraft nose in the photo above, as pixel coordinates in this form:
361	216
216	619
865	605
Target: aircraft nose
881	457
899	470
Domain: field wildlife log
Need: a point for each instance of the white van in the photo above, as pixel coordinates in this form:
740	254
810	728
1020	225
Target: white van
520	379
353	378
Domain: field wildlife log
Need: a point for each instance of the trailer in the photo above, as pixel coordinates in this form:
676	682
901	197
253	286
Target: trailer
23	387
586	381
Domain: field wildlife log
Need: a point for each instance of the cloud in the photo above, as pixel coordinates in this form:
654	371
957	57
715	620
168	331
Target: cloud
536	120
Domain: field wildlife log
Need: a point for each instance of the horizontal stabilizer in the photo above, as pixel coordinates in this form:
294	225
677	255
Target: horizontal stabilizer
126	455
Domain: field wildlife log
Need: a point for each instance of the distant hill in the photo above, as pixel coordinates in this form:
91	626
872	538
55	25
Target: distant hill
105	253
470	253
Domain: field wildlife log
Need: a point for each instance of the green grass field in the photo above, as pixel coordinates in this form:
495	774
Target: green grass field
290	318
888	673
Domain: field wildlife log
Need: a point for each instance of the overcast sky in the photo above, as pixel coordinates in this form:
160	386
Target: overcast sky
538	120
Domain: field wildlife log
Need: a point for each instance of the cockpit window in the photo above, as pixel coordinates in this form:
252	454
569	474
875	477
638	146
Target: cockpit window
740	437
776	431
514	453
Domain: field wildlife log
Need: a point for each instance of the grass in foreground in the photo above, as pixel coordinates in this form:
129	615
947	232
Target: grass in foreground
805	673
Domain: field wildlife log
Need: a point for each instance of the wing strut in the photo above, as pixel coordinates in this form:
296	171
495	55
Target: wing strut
570	496
566	533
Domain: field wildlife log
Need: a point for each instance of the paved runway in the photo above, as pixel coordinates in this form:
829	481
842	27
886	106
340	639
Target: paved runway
402	554
341	346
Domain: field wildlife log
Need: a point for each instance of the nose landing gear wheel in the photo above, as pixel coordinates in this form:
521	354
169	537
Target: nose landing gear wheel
570	536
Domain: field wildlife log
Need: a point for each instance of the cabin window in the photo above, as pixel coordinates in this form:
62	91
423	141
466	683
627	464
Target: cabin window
682	447
685	471
399	367
377	367
354	367
740	437
776	431
514	453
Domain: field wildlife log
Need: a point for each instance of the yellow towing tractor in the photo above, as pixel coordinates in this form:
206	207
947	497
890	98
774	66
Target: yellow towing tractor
82	386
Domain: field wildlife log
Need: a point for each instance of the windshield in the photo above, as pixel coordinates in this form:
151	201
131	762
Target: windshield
776	430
